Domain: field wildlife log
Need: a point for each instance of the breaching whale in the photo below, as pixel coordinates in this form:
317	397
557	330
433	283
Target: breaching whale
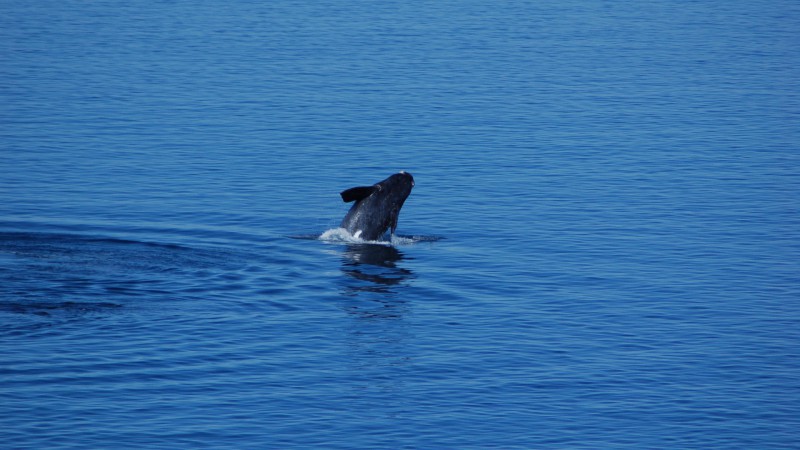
376	207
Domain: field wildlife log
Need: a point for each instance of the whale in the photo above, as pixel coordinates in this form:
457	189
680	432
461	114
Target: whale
377	207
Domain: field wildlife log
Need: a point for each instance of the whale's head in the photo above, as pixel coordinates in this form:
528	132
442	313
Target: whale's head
397	187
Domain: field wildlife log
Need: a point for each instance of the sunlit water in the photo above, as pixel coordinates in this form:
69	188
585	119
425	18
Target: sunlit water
601	249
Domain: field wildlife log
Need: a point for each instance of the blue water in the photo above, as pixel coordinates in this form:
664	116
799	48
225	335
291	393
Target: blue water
602	249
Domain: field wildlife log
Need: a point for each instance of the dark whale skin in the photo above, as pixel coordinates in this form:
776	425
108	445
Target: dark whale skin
377	207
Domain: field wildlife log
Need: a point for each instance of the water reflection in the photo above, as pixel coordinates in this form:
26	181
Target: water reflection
378	333
376	266
374	280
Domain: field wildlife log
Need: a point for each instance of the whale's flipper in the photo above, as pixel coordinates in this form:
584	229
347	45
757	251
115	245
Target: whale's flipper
393	219
358	193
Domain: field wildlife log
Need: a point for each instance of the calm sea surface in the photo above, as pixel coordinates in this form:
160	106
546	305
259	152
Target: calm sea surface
602	249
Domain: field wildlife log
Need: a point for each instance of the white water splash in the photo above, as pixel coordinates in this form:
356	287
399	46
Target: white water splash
342	235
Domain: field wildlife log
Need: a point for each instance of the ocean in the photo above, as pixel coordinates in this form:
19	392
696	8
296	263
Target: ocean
602	249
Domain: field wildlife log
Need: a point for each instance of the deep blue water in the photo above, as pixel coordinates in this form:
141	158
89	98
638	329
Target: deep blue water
602	248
